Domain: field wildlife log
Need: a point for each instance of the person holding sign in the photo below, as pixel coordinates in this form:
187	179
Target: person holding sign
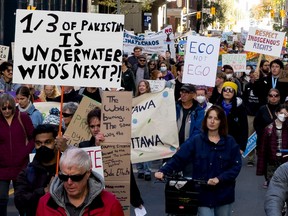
34	181
215	158
235	112
15	145
6	85
78	190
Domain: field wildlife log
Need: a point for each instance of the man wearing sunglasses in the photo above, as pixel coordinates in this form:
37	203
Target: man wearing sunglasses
34	181
141	70
78	190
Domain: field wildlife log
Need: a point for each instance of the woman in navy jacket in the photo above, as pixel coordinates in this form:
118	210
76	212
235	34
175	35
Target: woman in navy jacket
216	159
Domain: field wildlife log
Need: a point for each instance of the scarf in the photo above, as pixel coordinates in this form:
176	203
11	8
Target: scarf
25	109
226	107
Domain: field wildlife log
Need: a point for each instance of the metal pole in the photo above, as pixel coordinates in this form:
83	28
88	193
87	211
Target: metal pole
187	17
118	6
202	14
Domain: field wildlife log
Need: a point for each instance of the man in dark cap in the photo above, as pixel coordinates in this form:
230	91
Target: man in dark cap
141	69
189	115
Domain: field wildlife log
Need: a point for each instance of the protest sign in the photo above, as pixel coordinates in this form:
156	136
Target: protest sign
68	47
264	41
251	144
116	116
201	60
154	43
95	155
116	161
154	129
4	53
116	127
156	85
78	131
237	61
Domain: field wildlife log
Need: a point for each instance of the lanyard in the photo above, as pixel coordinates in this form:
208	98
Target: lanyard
274	81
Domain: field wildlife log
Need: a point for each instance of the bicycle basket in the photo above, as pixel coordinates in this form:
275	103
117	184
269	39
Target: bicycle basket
181	197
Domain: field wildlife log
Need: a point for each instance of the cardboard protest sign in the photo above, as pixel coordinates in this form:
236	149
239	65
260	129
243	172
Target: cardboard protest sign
264	41
116	127
68	47
201	60
154	129
95	155
237	61
116	161
121	189
4	53
153	43
78	131
116	116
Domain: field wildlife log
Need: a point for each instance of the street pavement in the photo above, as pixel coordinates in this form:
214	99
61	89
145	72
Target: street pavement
249	194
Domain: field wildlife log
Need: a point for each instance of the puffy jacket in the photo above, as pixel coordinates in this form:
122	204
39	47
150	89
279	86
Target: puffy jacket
100	202
209	160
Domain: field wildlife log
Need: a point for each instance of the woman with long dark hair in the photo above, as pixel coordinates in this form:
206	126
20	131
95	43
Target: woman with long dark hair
215	158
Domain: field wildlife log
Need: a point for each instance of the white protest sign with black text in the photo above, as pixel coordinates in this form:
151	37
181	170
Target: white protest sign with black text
201	60
264	41
68	48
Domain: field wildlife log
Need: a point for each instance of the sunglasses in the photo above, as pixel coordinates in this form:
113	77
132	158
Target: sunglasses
230	90
273	95
142	60
67	114
7	107
74	178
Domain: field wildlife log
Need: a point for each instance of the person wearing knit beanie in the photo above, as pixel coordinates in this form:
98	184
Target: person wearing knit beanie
230	84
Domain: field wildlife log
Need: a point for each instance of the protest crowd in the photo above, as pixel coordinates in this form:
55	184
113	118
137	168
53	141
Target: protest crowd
212	124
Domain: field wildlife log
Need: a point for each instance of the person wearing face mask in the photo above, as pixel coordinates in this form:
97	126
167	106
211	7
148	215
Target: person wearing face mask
166	74
273	140
229	71
201	97
34	181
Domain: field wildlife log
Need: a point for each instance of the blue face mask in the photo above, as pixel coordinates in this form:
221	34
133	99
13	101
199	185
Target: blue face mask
163	69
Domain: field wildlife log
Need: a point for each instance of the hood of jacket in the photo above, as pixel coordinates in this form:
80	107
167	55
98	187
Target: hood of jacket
95	182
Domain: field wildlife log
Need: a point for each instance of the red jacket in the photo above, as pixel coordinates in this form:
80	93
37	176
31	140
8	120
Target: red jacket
104	205
16	143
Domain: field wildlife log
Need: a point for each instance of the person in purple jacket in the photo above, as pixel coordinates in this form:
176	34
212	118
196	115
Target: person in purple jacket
16	142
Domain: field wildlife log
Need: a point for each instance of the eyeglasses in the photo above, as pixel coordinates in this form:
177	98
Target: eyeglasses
230	90
74	178
273	95
7	107
66	115
142	60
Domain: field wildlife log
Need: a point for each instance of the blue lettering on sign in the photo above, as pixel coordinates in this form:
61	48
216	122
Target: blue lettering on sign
201	48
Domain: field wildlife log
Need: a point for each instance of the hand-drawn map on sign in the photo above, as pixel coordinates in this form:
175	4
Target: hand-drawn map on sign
68	48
